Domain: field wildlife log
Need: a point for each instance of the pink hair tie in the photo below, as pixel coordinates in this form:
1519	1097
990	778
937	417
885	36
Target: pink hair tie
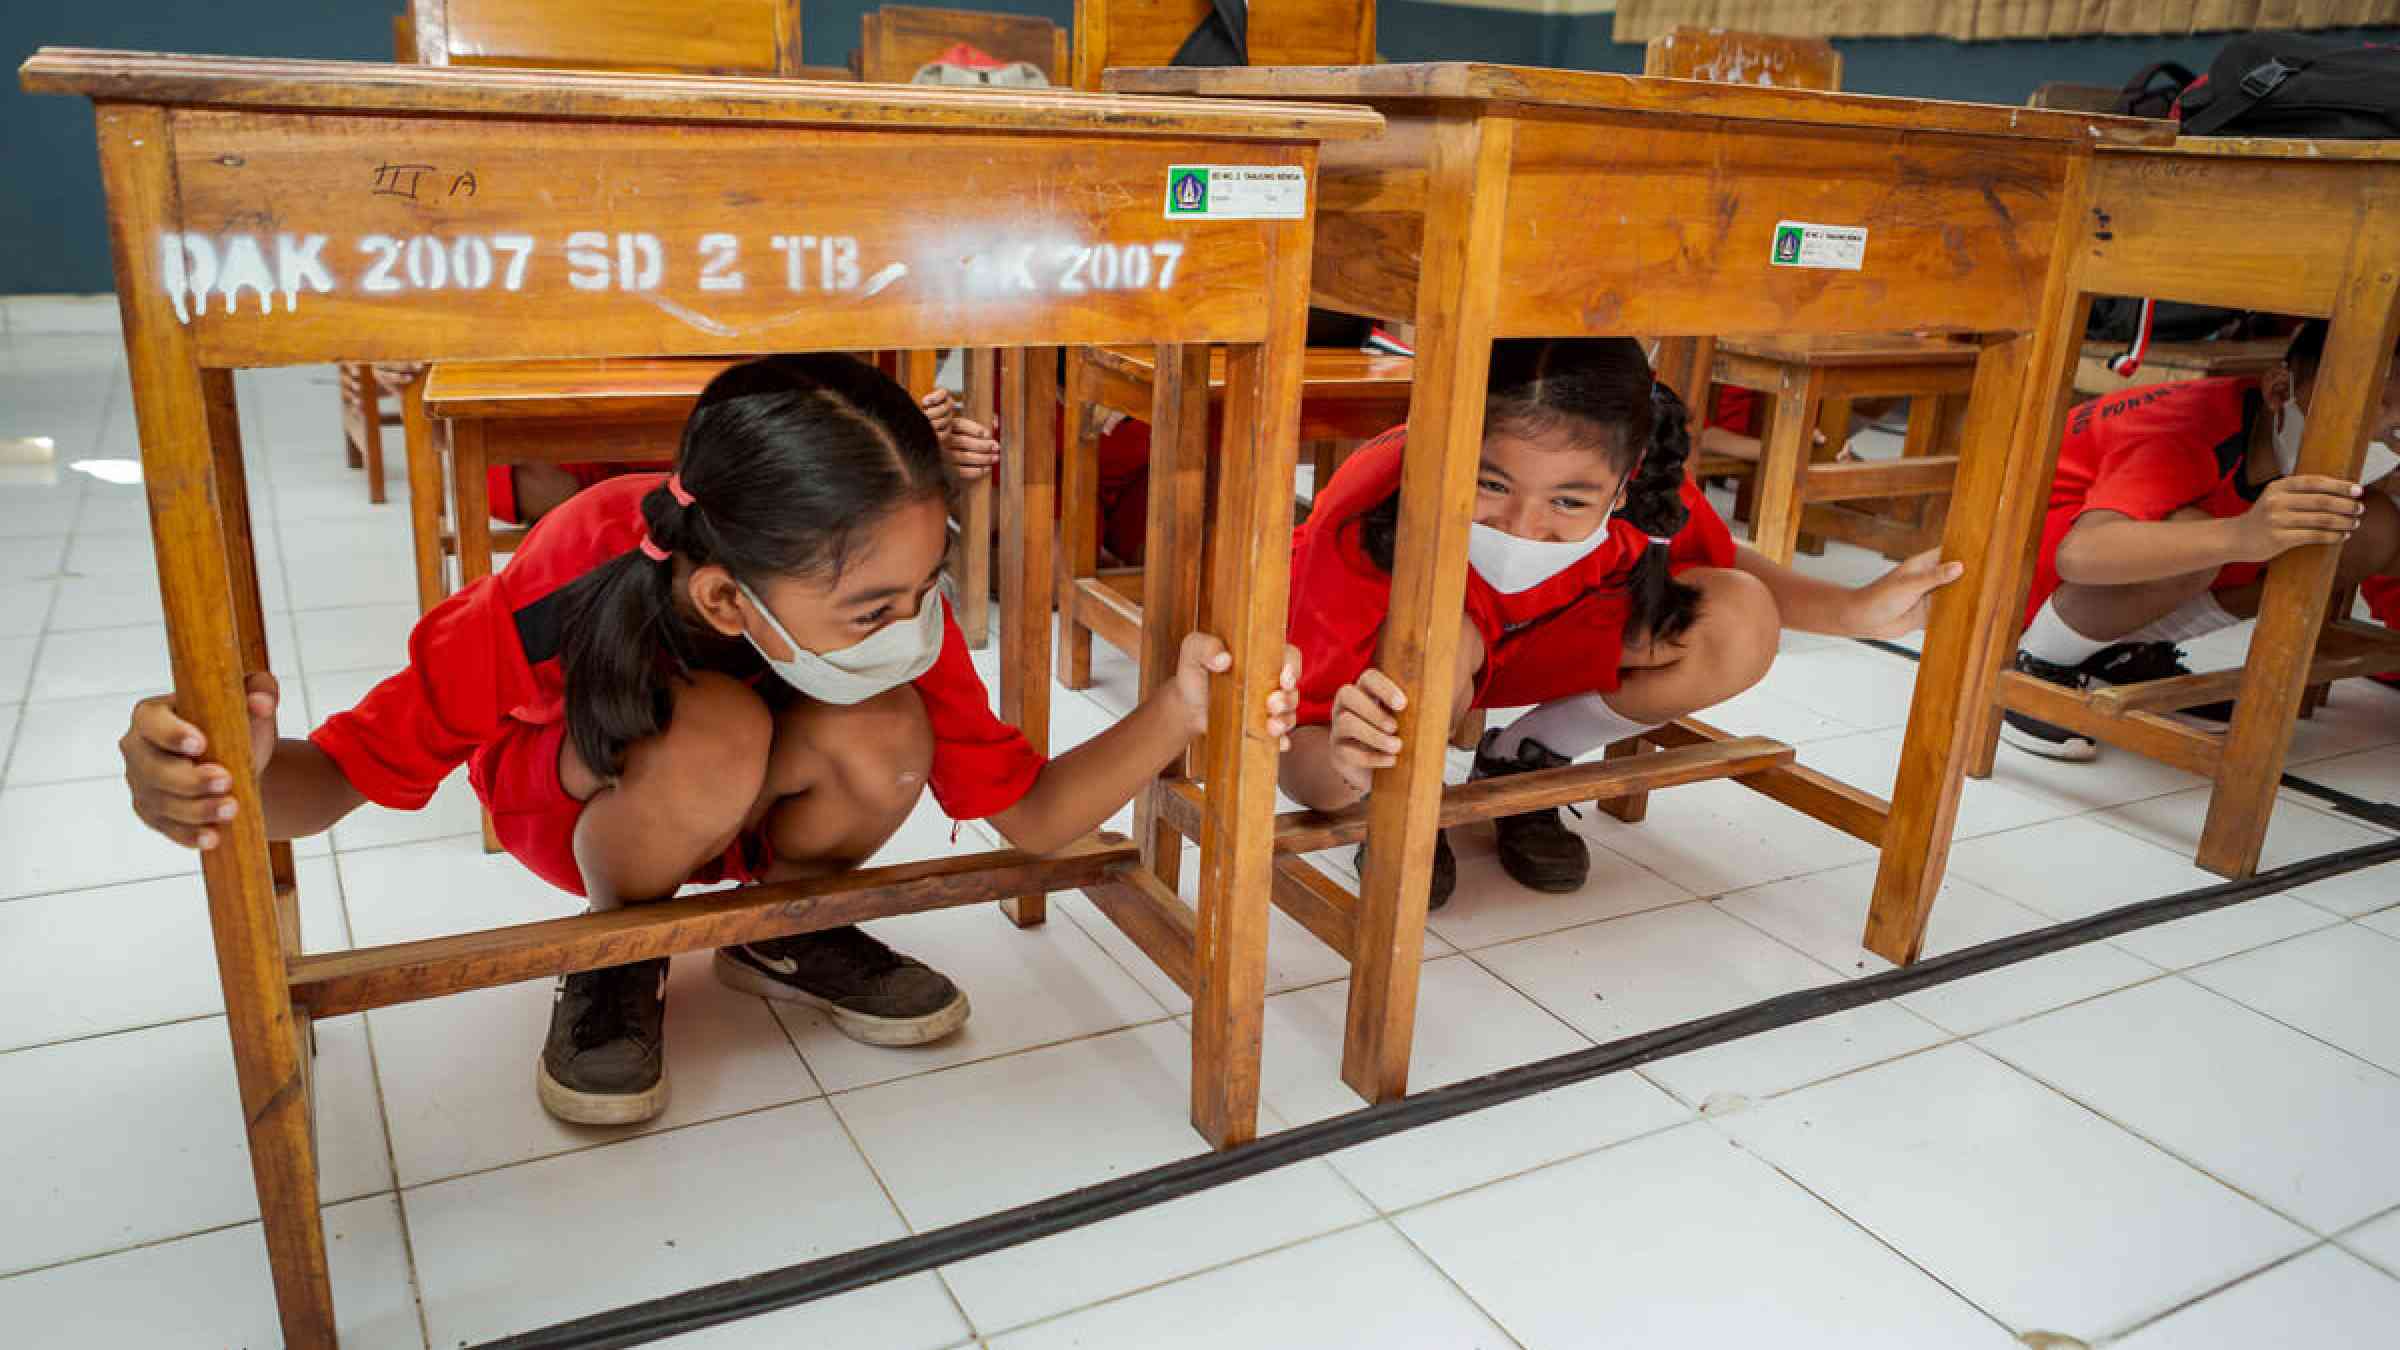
651	550
675	490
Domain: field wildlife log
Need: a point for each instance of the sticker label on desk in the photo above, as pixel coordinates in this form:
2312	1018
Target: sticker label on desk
1236	192
1800	244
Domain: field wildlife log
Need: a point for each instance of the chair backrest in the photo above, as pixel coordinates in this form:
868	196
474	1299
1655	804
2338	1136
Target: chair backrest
896	41
1281	33
1729	57
693	37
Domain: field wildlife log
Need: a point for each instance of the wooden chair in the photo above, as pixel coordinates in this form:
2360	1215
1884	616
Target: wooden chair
1346	397
894	42
1284	33
1690	364
691	37
1813	382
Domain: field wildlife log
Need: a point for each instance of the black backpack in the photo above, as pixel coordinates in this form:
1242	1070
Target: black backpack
2274	84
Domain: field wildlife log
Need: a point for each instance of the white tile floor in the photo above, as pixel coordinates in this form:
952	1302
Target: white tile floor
2188	1136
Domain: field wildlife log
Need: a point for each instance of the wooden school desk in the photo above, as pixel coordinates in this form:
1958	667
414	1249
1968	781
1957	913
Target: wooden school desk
2155	222
1509	202
280	212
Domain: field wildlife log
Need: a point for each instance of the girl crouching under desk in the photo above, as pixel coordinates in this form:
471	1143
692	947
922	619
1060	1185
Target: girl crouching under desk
1602	590
738	671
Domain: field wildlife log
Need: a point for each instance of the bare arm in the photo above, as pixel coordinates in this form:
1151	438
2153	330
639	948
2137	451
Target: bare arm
1085	786
1892	604
2107	548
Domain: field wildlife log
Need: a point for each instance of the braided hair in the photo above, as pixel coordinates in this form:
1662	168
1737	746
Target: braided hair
1600	390
787	463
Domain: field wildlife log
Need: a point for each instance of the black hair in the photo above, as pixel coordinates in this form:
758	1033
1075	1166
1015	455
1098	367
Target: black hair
2307	351
789	461
1602	389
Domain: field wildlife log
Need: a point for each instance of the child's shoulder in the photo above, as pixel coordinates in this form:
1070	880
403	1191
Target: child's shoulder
589	528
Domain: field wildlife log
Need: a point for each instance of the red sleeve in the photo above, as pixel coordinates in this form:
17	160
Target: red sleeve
466	671
1339	596
981	765
2151	477
1704	540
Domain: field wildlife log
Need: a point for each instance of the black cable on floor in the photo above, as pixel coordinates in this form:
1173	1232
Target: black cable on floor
712	1305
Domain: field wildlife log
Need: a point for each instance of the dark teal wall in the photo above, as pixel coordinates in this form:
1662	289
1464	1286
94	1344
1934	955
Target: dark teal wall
52	232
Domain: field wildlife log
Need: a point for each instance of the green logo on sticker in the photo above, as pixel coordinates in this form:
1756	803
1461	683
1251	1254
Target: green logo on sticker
1187	192
1787	244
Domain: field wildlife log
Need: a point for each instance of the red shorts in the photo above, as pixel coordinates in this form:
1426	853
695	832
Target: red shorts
1575	651
515	775
500	482
2224	504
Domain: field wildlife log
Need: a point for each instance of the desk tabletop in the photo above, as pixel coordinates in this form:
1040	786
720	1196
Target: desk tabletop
1864	349
1474	81
569	95
2259	147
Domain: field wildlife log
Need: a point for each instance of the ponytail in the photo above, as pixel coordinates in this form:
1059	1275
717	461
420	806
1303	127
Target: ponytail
1662	606
786	463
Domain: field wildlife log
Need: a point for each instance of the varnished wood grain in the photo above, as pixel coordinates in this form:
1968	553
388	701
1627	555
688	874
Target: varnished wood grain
335	983
1732	57
722	36
1283	33
356	86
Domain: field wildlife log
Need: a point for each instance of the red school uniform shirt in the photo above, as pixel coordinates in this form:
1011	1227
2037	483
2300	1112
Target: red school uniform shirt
489	655
2147	453
1339	596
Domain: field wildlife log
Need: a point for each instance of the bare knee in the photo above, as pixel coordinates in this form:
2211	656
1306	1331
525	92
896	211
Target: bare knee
701	774
1470	664
876	753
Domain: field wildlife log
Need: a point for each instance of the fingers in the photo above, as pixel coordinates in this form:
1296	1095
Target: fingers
2286	540
265	695
1291	666
2312	482
156	725
1381	687
1207	652
2292	518
1365	728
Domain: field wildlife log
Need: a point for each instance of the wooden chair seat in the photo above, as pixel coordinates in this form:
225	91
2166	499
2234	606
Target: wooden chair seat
1346	396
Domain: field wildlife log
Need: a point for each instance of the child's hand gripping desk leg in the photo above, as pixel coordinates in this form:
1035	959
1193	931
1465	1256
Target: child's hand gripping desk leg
737	672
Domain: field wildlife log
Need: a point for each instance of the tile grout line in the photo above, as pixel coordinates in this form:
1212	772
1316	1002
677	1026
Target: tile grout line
2143	1324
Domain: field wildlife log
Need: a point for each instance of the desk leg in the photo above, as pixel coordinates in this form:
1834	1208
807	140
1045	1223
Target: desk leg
196	539
1078	523
1029	481
1783	461
1246	599
423	459
1457	293
2358	357
2004	474
1172	549
472	512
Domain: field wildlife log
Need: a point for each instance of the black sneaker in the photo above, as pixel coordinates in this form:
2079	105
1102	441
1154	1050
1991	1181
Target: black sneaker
873	994
1536	847
2035	736
2138	662
605	1062
1445	871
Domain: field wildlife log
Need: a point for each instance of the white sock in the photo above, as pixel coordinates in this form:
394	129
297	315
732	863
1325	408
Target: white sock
2048	638
1573	727
2195	618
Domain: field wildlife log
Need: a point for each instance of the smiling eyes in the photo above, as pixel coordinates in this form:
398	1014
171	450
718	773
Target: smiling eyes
1495	487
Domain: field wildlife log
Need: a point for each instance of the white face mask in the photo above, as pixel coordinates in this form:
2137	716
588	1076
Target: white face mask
891	656
2293	426
1509	564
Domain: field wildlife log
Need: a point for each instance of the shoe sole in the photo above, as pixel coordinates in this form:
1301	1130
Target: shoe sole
598	1108
2077	751
1548	885
864	1028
